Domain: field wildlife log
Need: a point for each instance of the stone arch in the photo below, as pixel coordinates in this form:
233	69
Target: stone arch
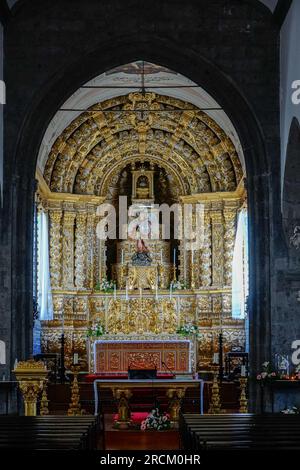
185	60
291	185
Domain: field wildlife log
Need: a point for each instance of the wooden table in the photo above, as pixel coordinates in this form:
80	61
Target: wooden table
123	389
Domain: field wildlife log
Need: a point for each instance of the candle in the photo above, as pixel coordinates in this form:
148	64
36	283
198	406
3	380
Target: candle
115	291
156	292
122	257
171	288
243	371
216	358
141	293
174	256
126	289
161	257
75	359
192	256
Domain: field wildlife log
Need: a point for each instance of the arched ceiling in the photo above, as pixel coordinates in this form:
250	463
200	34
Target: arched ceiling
194	150
125	79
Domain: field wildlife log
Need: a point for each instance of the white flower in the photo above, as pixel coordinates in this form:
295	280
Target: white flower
265	364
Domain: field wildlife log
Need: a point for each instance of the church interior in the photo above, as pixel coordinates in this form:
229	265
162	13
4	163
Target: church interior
149	225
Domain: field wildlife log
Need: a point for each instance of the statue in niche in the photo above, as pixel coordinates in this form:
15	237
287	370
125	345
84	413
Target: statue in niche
141	257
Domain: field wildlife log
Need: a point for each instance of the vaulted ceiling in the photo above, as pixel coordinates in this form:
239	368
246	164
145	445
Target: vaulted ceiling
175	135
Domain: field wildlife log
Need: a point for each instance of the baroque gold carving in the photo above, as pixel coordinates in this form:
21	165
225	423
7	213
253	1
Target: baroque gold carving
80	250
203	157
55	248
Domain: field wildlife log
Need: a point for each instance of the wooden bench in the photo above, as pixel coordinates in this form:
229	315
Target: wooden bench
51	432
240	431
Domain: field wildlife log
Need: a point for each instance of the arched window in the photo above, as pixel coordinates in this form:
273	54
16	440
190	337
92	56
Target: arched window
2	352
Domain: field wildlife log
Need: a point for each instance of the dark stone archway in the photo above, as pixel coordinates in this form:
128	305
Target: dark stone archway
291	187
202	57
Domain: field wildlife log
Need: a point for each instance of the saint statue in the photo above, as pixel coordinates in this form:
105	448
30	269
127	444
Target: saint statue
141	256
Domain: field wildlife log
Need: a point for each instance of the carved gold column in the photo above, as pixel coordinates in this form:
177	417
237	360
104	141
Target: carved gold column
229	237
80	250
55	248
217	247
68	249
205	253
31	376
90	237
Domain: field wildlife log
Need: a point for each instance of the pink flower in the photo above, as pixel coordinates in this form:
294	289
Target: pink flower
258	377
273	374
143	427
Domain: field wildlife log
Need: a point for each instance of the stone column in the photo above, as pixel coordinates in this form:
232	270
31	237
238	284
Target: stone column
80	250
217	247
68	250
55	248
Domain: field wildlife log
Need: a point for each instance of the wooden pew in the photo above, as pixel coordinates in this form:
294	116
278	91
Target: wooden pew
50	432
240	431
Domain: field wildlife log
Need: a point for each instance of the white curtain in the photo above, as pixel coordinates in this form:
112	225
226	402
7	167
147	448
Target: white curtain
44	284
240	270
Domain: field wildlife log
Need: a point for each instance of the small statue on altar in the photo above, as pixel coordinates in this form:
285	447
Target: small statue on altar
141	257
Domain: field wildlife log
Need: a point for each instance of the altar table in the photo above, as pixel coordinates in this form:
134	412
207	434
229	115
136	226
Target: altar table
122	391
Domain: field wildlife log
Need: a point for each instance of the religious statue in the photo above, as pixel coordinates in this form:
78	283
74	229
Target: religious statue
141	257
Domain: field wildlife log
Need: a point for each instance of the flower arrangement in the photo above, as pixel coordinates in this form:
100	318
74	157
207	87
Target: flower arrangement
267	374
156	420
105	286
291	411
188	329
96	330
177	285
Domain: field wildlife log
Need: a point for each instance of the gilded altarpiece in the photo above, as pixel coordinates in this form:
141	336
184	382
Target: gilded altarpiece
197	161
